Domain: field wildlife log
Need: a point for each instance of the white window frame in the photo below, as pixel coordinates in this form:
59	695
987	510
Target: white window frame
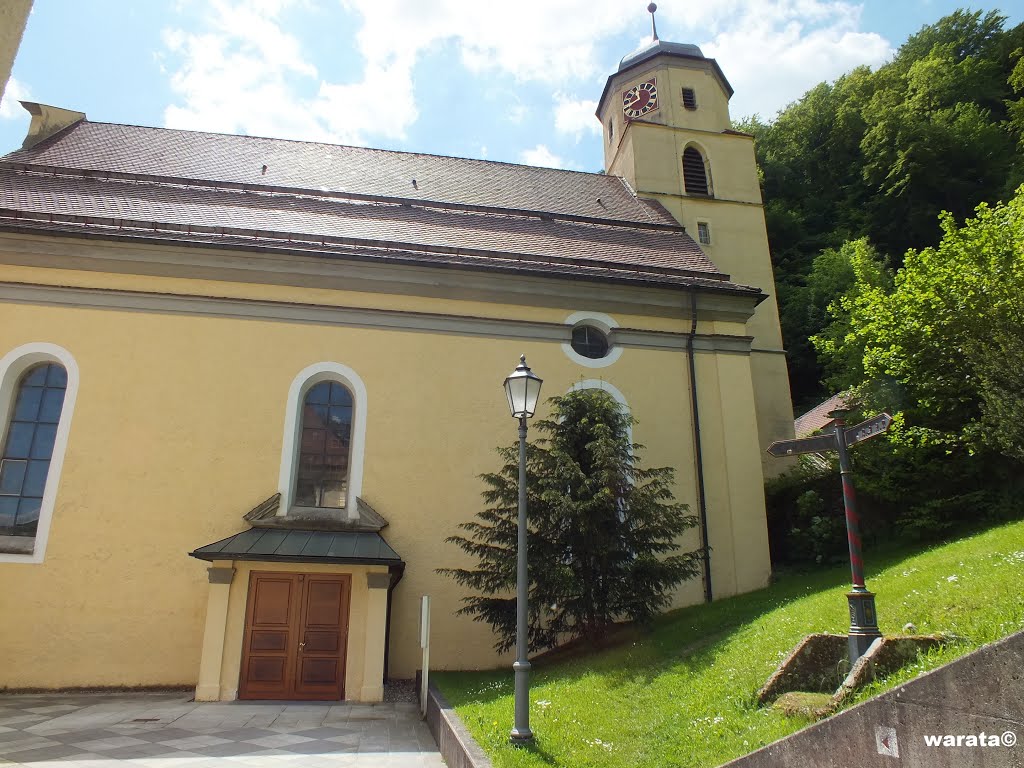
301	384
13	366
604	323
711	239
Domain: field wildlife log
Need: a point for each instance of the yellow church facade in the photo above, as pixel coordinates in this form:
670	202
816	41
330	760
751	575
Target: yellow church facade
248	386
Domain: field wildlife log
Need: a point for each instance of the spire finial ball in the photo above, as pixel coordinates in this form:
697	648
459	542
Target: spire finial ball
652	7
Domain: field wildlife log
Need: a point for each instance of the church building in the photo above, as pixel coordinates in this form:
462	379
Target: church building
248	385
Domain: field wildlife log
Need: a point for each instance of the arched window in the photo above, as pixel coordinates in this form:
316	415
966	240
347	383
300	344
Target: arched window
695	177
324	439
38	388
325	446
28	447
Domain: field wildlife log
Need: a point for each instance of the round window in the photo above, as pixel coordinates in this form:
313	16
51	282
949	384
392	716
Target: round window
588	341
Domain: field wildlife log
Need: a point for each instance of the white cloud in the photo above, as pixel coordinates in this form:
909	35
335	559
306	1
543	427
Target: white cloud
14	92
246	72
774	53
541	155
576	116
382	103
239	74
542	40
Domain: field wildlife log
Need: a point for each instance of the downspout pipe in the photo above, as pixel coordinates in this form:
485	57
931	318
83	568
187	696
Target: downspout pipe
396	572
698	450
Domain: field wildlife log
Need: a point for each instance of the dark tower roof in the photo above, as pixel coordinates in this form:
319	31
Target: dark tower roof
655	47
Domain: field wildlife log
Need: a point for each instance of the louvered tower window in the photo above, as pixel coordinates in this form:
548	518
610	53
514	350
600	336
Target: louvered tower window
695	179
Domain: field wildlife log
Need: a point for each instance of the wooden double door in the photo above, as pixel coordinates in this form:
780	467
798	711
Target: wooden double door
296	634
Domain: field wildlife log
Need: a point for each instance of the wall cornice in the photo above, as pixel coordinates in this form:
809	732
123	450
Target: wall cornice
351	317
298	270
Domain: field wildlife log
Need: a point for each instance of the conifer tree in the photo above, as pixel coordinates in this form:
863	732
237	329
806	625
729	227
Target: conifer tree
603	532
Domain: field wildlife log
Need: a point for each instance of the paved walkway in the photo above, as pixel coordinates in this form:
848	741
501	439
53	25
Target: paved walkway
166	730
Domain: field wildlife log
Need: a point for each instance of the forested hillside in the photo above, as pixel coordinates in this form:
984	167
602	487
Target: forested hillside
895	212
879	154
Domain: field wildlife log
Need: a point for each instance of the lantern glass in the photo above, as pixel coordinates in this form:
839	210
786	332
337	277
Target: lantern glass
522	388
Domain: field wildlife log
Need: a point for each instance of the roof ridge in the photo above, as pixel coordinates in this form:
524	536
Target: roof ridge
593	174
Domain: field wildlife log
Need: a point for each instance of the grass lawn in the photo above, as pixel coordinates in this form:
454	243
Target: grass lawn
683	693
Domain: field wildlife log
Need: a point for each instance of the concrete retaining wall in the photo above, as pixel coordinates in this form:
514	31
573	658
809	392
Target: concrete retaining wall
457	747
982	692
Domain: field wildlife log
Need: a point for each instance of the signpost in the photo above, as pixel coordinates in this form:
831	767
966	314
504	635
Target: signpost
863	618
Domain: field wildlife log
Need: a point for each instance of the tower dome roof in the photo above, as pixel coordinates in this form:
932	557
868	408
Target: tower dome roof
655	47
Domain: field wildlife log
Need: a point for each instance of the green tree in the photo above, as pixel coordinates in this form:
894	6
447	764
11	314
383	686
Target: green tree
879	154
944	341
838	279
603	532
933	143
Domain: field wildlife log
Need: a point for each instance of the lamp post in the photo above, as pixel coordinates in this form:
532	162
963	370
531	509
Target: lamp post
522	388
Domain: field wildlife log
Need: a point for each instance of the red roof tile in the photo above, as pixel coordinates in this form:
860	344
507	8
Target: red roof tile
135	150
117	181
818	417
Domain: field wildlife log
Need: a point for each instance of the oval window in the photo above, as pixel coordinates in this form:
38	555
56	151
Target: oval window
588	341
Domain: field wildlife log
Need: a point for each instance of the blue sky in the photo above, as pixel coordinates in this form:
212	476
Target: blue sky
511	81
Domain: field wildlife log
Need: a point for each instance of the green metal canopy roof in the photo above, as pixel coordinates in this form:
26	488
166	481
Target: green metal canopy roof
302	546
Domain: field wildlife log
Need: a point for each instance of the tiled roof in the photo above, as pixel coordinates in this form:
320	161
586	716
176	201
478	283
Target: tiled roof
193	155
118	182
216	211
818	417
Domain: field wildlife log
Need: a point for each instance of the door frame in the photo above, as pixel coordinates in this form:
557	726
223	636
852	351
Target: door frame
296	616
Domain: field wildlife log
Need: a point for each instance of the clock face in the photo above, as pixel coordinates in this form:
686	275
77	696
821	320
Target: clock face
640	99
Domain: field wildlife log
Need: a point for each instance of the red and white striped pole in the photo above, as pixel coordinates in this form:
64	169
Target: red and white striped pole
863	617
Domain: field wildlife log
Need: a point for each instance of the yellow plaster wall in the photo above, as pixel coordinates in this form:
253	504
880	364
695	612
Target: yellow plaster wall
711	115
648	153
19	254
13	17
177	432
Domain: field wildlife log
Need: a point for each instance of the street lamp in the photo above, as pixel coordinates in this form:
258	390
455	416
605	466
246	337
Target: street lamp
522	387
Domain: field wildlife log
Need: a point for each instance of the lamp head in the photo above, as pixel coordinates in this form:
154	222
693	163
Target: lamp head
522	388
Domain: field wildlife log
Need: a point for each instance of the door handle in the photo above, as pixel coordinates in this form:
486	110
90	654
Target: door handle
301	646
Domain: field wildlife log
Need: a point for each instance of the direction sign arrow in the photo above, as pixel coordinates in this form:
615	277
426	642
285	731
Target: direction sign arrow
867	429
815	444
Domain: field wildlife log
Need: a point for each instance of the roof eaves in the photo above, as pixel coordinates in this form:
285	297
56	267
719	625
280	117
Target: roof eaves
501	263
128	226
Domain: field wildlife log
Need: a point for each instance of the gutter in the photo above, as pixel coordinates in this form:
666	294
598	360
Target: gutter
698	450
396	572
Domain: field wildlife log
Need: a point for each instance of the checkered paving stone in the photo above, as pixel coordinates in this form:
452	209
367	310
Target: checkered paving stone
160	729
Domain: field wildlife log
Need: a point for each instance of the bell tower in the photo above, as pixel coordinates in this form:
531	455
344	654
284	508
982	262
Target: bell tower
667	132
